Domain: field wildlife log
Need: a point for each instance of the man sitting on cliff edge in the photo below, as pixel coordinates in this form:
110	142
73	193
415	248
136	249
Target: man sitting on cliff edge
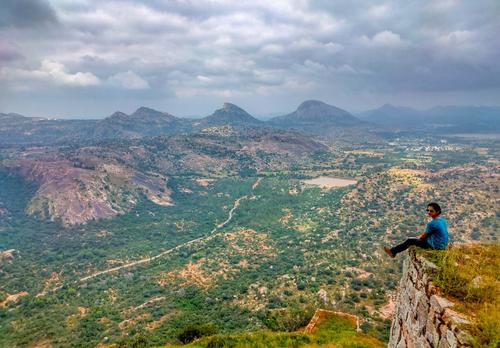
434	237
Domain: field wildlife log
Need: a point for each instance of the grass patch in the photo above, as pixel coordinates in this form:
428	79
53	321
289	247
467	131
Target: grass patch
340	332
470	274
331	332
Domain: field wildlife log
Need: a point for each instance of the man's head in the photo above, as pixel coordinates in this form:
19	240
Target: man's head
433	210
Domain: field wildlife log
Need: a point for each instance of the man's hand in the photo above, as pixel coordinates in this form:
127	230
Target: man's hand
423	236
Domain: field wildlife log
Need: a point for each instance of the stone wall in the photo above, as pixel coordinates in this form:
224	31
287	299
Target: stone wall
422	317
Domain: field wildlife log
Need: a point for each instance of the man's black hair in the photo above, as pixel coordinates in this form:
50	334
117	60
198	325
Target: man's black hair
436	207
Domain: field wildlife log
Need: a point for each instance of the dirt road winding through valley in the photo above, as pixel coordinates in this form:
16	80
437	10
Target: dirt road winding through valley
211	235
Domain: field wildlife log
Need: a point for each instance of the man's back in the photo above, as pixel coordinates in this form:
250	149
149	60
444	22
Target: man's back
438	233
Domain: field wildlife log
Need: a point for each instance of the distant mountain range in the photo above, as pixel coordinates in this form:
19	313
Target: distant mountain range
311	116
447	119
143	122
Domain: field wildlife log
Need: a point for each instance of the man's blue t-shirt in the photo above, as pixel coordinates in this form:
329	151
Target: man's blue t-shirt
437	233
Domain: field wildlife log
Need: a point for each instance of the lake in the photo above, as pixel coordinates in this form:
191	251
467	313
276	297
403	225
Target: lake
329	182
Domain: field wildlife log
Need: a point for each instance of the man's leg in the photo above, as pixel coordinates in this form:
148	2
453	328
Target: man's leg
408	243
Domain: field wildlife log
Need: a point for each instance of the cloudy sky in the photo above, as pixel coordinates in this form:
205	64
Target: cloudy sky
89	58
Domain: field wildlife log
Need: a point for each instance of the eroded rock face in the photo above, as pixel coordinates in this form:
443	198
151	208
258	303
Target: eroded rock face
423	318
75	195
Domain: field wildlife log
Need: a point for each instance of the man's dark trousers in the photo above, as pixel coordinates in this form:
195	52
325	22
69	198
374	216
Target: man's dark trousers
421	243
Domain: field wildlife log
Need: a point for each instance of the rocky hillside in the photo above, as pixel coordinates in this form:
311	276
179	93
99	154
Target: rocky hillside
449	303
79	184
74	194
214	151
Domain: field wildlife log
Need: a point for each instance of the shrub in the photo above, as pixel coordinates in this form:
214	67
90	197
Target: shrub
192	332
288	320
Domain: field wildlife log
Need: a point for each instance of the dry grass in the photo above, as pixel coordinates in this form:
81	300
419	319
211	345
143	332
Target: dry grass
470	274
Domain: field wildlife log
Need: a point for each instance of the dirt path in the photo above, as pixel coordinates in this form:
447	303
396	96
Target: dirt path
236	205
169	251
255	184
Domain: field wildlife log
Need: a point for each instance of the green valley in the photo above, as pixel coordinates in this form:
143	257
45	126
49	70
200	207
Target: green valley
237	253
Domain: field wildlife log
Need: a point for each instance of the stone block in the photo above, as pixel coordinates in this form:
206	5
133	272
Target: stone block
401	344
439	304
451	339
406	263
442	343
417	298
427	266
411	276
453	318
425	278
442	330
431	289
421	283
426	344
447	338
395	335
422	314
422	343
407	316
431	333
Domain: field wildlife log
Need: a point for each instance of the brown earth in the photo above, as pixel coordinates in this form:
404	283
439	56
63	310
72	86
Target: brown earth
7	254
50	282
13	298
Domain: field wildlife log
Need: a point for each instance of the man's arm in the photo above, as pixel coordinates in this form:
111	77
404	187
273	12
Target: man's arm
428	231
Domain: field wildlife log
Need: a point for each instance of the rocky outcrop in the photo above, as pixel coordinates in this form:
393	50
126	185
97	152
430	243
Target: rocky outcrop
423	317
74	194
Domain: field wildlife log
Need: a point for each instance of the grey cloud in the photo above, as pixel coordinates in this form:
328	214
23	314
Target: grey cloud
26	13
257	49
9	52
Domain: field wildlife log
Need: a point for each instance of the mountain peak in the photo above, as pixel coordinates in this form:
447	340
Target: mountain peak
315	113
118	114
311	104
143	112
151	115
311	109
230	114
145	109
231	110
387	106
232	107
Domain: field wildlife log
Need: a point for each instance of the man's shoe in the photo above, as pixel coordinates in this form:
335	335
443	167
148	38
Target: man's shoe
389	252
